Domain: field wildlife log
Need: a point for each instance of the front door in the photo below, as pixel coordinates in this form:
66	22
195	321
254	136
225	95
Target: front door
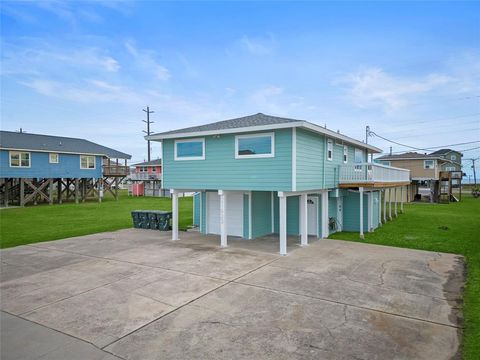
312	215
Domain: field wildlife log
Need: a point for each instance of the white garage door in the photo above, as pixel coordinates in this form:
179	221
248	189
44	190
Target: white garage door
234	214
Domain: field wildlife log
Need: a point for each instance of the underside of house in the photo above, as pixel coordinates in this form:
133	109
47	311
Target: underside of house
253	214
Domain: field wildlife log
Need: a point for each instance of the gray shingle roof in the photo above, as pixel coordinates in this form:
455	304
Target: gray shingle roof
408	155
27	141
442	152
156	162
246	121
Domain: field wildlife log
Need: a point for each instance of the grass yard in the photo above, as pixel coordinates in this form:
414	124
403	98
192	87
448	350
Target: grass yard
32	224
423	227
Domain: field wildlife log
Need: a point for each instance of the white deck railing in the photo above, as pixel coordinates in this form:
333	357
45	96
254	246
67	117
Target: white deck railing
145	176
372	173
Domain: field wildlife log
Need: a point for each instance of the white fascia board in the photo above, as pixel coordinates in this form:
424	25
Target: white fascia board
52	151
302	124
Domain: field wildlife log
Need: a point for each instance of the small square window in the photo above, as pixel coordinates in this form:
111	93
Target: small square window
87	162
53	158
453	157
428	164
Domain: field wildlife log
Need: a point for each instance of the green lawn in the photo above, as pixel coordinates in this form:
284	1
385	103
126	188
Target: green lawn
422	227
19	226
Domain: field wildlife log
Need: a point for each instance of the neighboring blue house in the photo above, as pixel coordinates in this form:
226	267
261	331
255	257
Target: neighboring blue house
37	167
261	174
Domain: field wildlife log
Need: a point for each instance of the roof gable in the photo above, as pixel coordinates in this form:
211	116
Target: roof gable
59	144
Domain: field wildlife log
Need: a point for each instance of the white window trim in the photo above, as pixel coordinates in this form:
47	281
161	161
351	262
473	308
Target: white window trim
330	142
10	153
453	157
255	156
94	162
345	154
425	165
176	158
50	158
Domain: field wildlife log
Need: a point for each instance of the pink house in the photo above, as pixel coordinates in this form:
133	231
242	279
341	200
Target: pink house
146	179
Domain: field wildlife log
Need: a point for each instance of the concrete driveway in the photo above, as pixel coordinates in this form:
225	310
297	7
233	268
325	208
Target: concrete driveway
134	294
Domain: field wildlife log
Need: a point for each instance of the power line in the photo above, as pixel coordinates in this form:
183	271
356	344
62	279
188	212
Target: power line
370	133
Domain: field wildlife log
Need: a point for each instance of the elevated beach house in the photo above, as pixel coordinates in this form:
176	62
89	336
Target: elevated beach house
261	174
43	168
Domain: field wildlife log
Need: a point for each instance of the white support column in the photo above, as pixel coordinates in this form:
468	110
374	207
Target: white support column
283	223
303	220
370	211
360	189
324	202
385	206
379	208
223	218
395	192
174	214
390	204
401	200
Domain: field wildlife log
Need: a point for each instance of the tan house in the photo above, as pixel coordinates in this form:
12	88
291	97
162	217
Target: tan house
423	167
424	172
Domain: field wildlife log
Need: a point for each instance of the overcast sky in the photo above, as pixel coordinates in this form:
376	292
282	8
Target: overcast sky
86	69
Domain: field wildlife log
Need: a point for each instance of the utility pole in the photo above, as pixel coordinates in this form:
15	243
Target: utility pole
474	173
148	122
367	134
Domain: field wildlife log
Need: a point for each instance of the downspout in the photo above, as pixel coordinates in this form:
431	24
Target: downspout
324	153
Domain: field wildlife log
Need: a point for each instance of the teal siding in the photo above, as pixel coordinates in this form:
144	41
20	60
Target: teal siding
246	216
310	155
351	215
196	209
292	214
220	169
203	218
314	171
261	213
332	210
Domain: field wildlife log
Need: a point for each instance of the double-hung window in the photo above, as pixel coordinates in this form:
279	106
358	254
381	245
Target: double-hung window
329	149
19	159
189	149
345	154
87	162
428	164
53	158
255	146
